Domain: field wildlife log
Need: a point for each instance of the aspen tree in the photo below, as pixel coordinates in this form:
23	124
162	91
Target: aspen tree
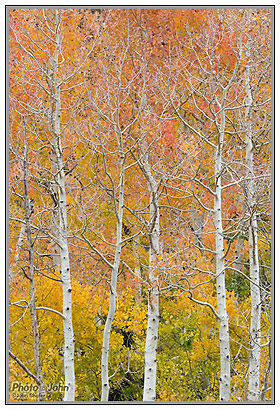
31	277
50	76
255	340
148	204
220	268
255	196
69	341
106	100
209	88
150	373
115	267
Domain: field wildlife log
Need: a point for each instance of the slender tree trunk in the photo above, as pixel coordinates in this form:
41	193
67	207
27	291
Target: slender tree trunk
220	272
254	357
237	252
21	236
31	277
150	374
255	350
113	287
69	341
265	387
197	225
18	248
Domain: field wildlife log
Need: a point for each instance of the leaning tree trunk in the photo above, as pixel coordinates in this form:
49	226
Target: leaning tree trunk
31	277
150	374
220	271
255	351
69	341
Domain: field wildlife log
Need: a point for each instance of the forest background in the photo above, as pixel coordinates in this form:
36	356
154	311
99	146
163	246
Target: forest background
152	154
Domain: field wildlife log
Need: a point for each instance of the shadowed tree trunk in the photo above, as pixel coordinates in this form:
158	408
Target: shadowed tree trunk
31	277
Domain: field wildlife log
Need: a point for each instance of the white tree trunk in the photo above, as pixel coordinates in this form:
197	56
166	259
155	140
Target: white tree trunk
113	287
150	373
69	341
17	251
255	351
220	273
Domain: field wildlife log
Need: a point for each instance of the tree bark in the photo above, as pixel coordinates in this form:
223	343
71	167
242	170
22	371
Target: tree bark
150	373
18	248
113	284
69	341
255	351
220	271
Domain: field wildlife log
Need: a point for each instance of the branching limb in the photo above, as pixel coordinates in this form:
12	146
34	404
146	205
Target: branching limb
97	251
23	367
50	310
